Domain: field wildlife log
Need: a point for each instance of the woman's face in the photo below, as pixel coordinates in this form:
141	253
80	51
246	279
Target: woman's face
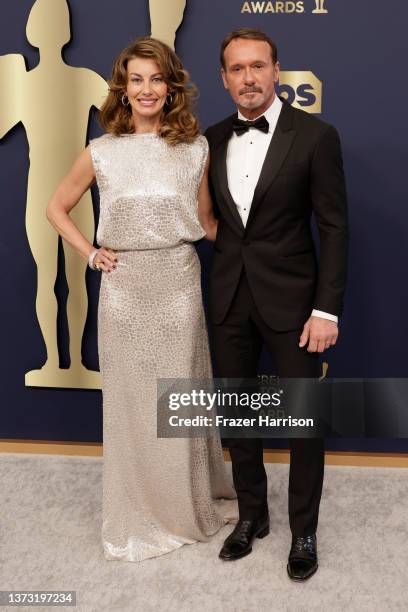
146	88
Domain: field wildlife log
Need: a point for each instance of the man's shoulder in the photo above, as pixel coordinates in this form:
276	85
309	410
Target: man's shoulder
216	132
306	120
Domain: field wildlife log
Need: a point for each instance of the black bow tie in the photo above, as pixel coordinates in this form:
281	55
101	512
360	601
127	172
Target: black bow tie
240	126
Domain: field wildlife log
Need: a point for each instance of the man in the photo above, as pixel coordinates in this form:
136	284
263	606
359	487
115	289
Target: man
271	167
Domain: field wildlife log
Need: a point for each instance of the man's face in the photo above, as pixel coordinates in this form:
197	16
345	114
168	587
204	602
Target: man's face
250	75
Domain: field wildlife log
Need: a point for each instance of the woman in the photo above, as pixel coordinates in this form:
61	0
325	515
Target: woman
151	168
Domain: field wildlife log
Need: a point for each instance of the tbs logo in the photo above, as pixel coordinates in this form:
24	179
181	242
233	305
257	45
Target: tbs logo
301	89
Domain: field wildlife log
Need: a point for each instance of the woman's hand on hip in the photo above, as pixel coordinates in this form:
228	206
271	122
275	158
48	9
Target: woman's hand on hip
106	259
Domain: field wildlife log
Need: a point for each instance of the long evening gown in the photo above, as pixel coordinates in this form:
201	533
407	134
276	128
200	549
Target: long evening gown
158	493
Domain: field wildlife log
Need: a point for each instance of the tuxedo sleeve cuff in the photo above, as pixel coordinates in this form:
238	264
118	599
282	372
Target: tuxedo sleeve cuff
324	315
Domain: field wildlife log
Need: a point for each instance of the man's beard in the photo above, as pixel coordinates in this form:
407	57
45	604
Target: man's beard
251	104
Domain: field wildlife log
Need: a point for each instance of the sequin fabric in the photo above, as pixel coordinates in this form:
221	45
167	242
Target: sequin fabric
158	493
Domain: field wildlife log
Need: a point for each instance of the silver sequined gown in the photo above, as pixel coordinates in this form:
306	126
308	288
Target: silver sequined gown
158	493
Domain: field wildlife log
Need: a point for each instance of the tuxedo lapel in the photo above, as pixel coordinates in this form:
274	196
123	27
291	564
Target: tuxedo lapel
220	161
278	149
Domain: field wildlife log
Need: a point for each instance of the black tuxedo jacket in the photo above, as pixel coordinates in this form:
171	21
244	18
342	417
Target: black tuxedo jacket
302	174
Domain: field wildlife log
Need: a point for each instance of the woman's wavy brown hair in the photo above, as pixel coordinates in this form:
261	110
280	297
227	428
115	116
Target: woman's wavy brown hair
177	122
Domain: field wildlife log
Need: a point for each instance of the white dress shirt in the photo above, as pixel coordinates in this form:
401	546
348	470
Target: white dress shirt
245	157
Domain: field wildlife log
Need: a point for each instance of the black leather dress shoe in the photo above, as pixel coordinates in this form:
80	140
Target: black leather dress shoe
302	562
239	542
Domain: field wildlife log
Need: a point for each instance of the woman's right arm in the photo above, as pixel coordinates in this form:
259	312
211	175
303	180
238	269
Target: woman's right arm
205	207
67	195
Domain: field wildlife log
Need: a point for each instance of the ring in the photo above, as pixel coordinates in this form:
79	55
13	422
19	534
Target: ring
96	267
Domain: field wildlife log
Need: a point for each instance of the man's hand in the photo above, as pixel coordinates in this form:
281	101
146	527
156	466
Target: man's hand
320	333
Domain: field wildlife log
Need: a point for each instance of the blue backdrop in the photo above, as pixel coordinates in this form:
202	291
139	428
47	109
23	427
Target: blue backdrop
358	50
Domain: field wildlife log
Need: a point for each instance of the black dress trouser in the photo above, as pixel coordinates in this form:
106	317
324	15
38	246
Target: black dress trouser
237	345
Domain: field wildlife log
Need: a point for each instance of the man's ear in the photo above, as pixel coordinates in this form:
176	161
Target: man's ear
277	70
224	80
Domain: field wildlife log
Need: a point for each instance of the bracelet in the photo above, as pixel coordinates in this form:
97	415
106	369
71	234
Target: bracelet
91	259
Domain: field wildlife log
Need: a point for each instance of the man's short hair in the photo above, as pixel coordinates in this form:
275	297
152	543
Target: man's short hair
248	34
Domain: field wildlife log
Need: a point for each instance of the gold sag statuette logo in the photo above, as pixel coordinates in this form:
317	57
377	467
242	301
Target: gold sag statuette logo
276	7
320	8
56	121
165	18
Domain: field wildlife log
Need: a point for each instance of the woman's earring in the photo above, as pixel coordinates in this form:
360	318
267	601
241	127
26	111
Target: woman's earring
123	102
169	102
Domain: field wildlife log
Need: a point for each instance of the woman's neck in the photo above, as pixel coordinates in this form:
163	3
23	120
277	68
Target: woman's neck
145	125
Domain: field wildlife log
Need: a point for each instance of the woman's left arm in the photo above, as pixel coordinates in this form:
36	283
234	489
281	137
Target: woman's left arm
205	207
